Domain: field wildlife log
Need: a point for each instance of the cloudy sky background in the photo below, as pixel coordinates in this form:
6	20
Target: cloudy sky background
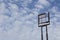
18	19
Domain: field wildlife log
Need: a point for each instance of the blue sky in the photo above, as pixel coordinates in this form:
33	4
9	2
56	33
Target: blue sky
18	19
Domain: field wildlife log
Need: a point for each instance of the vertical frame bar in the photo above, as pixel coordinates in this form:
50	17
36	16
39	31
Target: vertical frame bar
38	20
48	17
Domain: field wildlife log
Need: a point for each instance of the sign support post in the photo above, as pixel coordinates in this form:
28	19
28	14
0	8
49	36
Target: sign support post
46	33
41	33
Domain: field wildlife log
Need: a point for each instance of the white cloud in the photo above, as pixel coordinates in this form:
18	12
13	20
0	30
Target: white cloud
42	3
39	6
54	9
2	8
51	0
25	2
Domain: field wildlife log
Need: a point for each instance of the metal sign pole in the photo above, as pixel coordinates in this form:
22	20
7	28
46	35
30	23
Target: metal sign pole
41	33
46	33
